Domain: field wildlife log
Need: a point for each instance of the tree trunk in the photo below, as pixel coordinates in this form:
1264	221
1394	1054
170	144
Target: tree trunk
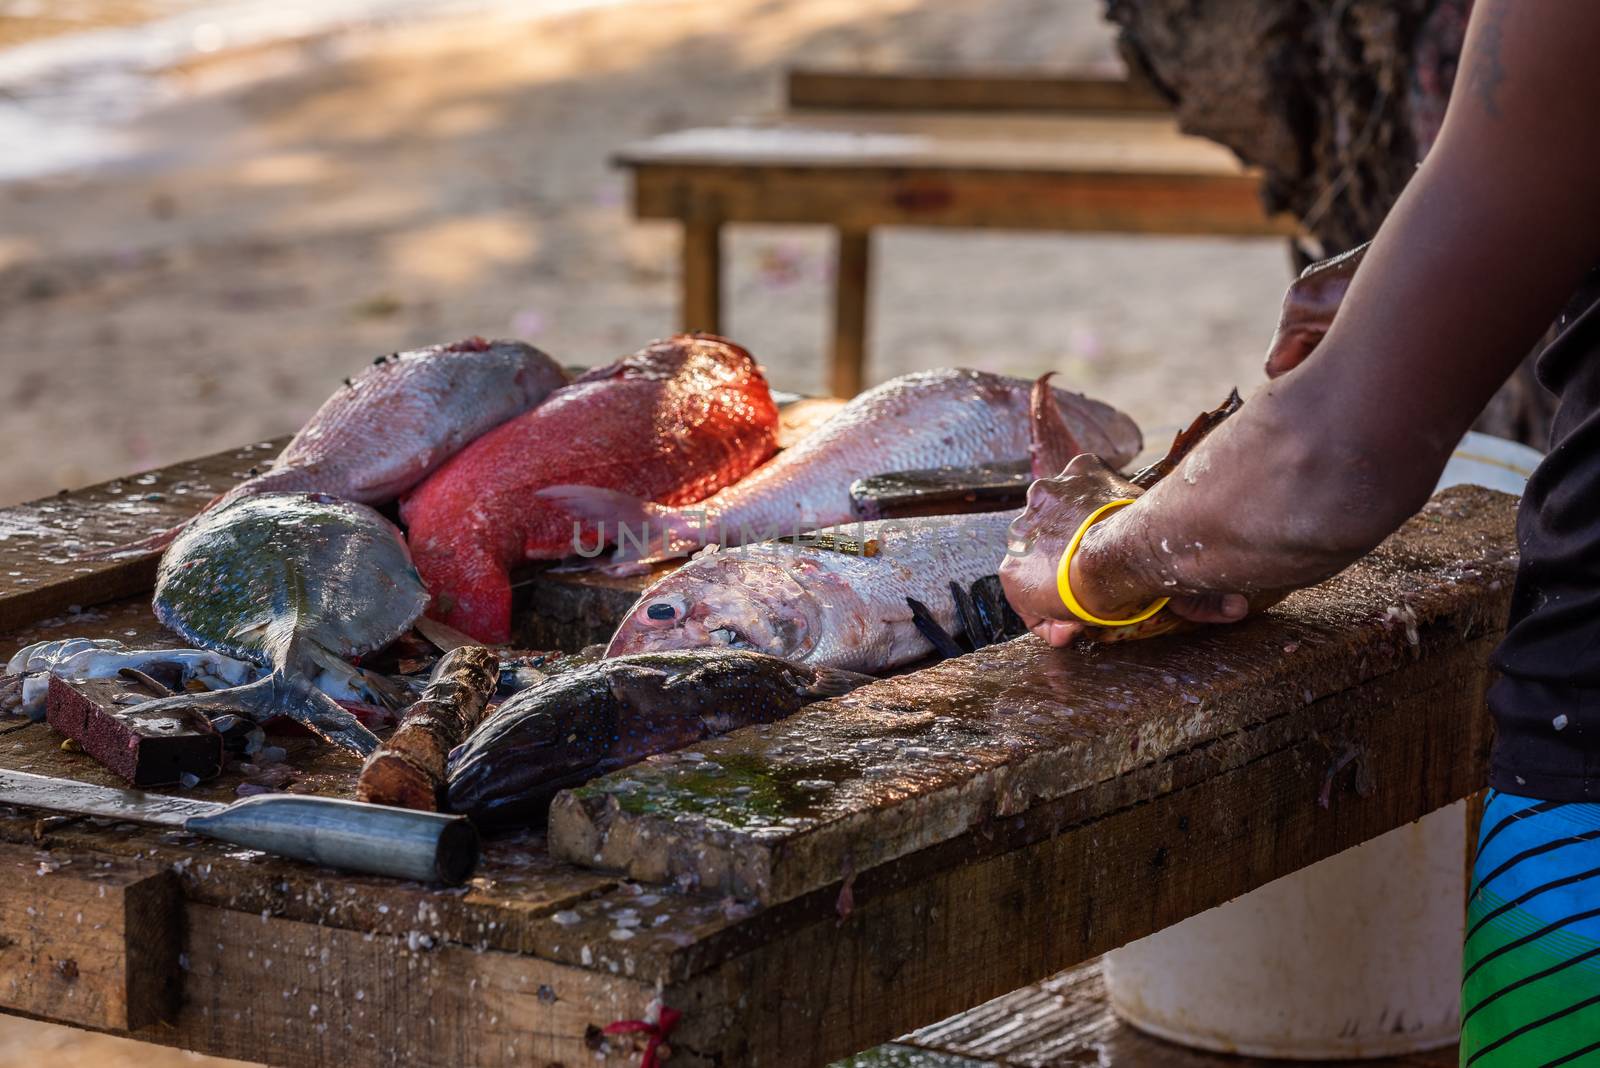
1335	102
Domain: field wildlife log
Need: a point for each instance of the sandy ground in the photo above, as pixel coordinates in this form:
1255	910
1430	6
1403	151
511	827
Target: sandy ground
308	206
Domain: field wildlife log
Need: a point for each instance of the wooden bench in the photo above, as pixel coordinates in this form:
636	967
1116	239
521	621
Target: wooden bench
866	868
861	152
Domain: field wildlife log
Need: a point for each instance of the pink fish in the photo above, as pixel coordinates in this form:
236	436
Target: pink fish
928	419
398	420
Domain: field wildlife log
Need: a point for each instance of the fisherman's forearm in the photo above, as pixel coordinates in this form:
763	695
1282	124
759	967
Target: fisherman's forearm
1273	500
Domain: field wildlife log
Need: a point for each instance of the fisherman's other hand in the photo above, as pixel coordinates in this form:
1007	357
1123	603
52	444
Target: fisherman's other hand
1116	588
1308	310
1037	538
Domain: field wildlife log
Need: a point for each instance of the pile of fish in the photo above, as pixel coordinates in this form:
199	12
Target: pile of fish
303	590
672	423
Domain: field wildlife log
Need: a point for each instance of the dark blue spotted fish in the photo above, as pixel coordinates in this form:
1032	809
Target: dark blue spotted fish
616	712
301	583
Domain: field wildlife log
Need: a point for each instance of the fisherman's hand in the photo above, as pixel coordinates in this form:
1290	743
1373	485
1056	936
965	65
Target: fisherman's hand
1308	310
1116	586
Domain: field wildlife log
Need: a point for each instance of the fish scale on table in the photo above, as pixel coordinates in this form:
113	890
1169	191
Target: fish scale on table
926	419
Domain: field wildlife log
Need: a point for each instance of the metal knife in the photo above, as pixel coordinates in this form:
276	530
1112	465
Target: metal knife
374	839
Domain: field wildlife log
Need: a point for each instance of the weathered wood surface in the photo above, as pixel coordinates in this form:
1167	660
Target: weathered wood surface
858	171
776	811
1066	1020
863	198
41	572
1062	145
991	90
530	961
88	940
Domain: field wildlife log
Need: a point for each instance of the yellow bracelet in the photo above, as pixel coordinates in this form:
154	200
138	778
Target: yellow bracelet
1064	580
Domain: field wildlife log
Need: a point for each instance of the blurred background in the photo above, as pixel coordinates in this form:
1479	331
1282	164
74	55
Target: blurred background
212	211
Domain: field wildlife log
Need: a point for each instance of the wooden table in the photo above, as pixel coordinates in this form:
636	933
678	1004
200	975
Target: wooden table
1112	164
866	868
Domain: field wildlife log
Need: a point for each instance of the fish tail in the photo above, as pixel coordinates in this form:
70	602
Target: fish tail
322	715
641	530
277	694
1051	444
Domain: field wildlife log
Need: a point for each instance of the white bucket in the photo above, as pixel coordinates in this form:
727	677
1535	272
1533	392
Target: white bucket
1356	956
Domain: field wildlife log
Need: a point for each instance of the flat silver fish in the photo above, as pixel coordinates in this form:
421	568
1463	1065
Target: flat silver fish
928	419
831	599
80	659
301	583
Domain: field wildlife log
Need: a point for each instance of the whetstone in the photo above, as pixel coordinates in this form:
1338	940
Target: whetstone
145	749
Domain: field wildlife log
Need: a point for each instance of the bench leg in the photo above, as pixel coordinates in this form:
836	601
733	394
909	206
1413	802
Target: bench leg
847	370
702	276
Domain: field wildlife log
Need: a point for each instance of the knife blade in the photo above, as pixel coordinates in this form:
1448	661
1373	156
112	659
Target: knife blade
373	839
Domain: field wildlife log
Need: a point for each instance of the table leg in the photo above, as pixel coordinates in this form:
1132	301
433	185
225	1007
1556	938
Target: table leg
847	369
702	276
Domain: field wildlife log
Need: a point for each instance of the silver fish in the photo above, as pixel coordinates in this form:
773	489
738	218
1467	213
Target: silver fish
389	427
829	599
300	583
928	419
79	659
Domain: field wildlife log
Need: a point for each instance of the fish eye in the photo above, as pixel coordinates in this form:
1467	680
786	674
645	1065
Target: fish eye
665	610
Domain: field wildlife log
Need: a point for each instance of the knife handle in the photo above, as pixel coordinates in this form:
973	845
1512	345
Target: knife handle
375	839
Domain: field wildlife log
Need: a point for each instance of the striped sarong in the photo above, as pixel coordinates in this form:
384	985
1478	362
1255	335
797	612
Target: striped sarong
1530	991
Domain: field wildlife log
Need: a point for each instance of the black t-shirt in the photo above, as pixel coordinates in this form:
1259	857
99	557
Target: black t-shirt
1546	704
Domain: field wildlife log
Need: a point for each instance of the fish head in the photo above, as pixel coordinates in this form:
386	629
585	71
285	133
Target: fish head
725	600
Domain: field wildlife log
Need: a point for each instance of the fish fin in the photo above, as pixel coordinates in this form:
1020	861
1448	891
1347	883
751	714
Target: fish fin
643	531
943	644
994	612
967	617
152	543
328	669
324	716
443	636
834	682
1186	439
637	686
278	694
1051	444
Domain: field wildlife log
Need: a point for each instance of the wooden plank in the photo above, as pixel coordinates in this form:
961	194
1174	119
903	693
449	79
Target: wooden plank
88	941
41	570
1017	900
852	283
1126	146
1067	1020
863	198
929	935
774	812
302	994
992	90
